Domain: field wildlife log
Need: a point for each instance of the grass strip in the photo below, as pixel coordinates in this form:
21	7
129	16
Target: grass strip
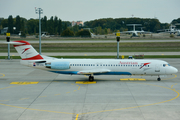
103	47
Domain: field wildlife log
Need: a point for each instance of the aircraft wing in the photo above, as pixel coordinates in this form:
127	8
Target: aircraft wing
144	32
88	72
127	32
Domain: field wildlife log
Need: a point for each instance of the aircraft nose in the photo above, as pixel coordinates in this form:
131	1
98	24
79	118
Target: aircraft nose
175	70
172	70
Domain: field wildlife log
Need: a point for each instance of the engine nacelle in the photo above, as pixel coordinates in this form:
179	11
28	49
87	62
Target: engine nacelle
58	65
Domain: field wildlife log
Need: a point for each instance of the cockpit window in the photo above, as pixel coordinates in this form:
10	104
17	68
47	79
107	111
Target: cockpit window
164	65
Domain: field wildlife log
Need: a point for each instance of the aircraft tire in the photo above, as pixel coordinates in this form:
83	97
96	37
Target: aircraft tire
159	79
91	78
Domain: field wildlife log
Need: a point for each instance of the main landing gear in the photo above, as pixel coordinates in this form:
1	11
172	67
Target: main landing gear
158	79
91	78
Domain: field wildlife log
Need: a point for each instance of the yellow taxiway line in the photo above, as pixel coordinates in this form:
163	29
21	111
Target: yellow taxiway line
2	75
77	117
24	83
85	82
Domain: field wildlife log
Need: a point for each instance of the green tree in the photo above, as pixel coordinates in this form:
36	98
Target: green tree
65	26
55	25
176	21
67	33
33	26
105	31
10	24
75	28
51	26
18	24
4	23
83	33
59	26
44	24
1	19
99	29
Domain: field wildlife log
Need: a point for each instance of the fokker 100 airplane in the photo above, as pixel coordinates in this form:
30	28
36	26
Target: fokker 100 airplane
30	57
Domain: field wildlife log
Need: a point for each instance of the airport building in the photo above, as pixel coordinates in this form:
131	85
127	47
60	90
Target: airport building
4	30
79	23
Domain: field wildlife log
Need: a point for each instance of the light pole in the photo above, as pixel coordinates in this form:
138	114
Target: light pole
39	11
8	40
118	39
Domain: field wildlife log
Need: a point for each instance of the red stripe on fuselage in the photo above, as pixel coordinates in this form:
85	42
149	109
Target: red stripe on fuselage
37	57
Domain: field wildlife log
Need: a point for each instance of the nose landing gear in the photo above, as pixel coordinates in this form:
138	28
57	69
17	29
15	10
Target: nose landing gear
158	79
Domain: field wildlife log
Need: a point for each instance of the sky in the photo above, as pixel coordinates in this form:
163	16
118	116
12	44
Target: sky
87	10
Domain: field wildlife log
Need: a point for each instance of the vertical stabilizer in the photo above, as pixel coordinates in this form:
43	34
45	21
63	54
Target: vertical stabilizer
26	51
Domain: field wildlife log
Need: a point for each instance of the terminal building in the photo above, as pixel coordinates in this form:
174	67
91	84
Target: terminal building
4	30
79	23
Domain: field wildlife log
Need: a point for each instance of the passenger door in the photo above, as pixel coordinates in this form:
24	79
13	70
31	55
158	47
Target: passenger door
157	68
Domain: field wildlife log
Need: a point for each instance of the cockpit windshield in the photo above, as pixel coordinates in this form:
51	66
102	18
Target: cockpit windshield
165	65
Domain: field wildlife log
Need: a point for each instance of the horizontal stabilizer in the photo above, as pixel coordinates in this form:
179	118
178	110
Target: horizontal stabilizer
14	43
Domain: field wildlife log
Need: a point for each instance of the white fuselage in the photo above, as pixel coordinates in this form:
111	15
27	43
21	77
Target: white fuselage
104	66
30	57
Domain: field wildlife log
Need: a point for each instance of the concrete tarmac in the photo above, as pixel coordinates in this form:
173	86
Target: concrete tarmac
31	94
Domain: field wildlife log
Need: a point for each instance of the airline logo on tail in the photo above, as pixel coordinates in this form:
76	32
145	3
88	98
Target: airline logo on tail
25	50
144	64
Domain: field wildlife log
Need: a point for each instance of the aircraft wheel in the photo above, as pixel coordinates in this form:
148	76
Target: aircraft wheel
91	78
159	79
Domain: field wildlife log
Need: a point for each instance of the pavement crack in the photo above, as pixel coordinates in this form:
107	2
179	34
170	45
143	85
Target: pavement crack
34	100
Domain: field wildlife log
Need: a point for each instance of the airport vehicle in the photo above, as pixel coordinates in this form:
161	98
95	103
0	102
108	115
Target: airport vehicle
30	57
135	32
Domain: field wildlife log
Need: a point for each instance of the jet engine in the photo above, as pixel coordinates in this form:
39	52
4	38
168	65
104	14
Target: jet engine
58	65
